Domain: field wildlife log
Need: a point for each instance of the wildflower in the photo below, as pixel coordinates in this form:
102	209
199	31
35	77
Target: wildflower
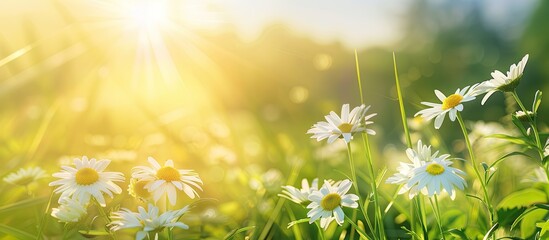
406	170
502	82
344	127
427	173
25	176
166	179
137	189
70	210
300	196
436	176
147	221
86	180
523	116
451	105
326	203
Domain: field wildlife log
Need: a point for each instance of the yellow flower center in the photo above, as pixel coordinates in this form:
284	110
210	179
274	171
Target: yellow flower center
330	201
168	174
139	189
86	176
345	127
451	101
435	169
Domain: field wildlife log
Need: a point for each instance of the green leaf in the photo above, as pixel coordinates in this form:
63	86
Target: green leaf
93	233
233	233
544	227
516	140
458	232
16	233
542	206
523	198
506	156
491	231
528	224
537	101
292	223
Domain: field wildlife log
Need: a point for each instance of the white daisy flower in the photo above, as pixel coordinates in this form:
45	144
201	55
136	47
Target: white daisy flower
436	176
137	189
451	104
70	210
344	127
167	179
326	203
86	180
25	176
147	221
406	170
502	82
300	196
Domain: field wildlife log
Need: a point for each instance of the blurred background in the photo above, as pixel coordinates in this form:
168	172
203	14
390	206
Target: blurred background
229	88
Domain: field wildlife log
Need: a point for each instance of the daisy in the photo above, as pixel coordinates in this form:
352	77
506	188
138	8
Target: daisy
451	104
502	82
300	196
166	179
25	176
344	127
406	170
326	203
86	180
137	189
436	176
70	210
147	221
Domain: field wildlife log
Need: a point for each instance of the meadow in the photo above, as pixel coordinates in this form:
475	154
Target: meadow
128	125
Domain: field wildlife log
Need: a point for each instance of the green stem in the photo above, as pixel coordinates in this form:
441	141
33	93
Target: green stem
491	216
320	230
379	217
104	215
533	124
355	185
43	220
436	210
418	202
170	229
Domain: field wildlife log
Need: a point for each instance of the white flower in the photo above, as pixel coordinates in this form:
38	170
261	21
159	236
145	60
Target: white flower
299	196
451	104
326	203
147	221
436	176
86	180
137	189
344	127
406	170
427	173
70	210
166	179
25	176
502	82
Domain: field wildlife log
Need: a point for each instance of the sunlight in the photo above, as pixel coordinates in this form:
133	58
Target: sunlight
147	14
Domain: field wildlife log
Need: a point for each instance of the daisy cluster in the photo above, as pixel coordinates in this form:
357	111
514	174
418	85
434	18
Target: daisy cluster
87	182
427	172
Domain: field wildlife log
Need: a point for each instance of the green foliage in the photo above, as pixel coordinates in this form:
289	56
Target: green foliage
523	198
